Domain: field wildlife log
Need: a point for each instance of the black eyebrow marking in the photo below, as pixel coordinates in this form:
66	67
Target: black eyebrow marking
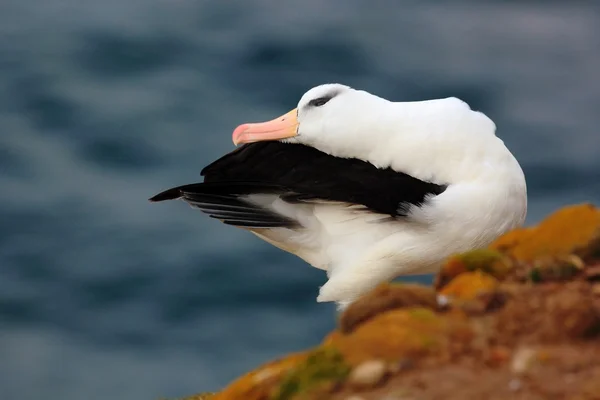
323	99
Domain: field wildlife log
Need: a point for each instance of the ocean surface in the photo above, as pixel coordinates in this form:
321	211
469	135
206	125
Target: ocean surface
104	103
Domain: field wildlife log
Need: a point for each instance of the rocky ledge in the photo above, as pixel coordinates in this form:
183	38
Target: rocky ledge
519	320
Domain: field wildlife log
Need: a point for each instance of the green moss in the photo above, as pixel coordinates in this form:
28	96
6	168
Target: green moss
423	314
323	365
486	260
429	343
428	316
546	270
535	275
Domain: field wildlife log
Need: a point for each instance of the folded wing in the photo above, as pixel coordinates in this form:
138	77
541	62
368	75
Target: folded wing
296	174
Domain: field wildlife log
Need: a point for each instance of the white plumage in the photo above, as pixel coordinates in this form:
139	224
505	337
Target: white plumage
440	142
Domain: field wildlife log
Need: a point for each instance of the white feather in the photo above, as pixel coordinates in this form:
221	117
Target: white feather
441	141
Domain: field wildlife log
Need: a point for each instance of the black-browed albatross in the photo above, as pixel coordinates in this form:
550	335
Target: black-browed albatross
365	188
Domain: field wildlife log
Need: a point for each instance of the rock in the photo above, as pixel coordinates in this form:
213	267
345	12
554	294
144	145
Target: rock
523	360
384	298
547	314
405	333
521	318
367	374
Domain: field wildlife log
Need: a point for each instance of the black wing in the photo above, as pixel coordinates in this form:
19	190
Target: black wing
225	201
297	173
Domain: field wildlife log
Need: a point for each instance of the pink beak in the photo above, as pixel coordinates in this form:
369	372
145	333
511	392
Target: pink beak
283	127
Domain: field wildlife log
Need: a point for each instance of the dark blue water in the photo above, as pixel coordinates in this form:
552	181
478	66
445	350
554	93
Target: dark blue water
104	103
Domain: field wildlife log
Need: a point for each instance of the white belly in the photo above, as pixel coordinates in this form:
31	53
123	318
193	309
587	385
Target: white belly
337	235
333	234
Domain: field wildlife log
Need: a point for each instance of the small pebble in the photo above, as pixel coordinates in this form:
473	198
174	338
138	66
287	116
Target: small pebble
368	374
522	360
443	301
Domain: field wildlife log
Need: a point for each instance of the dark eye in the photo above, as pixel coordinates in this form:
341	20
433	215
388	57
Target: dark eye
319	102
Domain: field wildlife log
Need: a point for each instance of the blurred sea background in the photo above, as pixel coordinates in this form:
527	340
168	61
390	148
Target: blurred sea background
104	103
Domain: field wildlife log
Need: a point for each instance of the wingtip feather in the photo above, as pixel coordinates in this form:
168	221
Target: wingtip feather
170	194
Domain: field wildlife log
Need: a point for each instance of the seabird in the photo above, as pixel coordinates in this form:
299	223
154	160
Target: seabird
365	188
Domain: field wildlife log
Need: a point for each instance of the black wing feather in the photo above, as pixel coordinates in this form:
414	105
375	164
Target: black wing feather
226	203
297	173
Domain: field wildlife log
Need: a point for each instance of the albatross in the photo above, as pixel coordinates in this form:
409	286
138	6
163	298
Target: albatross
365	188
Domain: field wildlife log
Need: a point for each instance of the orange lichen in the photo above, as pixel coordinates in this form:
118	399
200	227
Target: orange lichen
258	384
469	285
490	261
383	298
512	239
567	231
402	333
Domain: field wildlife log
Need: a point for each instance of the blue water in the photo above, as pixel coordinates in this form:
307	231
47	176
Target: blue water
104	103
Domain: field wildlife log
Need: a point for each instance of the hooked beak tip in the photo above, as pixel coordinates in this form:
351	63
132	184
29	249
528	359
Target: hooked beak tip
237	133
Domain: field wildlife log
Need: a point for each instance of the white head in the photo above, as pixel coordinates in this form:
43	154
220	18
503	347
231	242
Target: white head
330	117
438	140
